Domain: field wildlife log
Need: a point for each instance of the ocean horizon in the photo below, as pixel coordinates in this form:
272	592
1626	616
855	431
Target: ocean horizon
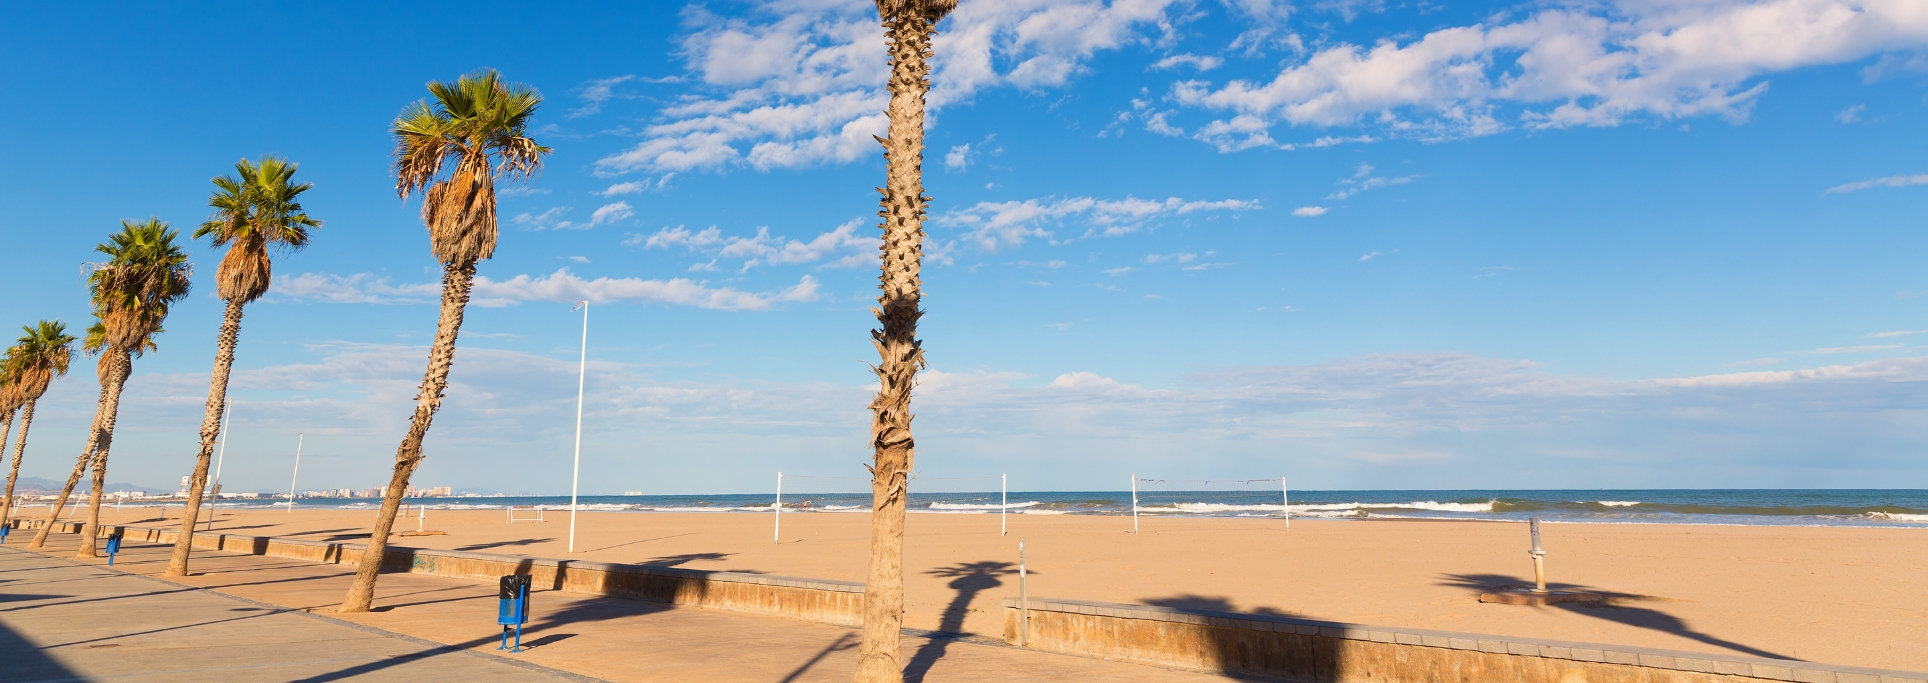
1904	508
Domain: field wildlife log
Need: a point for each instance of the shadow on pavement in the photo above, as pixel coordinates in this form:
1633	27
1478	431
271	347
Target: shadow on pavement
27	662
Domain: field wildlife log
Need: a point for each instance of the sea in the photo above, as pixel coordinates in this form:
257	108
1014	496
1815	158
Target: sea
1904	508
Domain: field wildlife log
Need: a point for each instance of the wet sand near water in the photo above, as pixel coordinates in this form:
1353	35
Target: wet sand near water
1852	596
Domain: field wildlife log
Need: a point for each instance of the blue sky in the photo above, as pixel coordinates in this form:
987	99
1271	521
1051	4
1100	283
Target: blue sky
1654	243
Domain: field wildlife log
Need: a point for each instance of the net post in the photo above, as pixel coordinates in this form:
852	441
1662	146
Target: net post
1134	503
776	535
1003	504
1024	600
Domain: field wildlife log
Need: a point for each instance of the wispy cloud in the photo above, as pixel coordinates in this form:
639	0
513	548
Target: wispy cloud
1309	211
993	225
1363	180
1201	63
1890	181
595	93
558	286
841	247
1892	333
1856	349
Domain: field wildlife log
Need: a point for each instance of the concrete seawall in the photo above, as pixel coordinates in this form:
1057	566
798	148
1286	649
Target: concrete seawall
834	602
1290	649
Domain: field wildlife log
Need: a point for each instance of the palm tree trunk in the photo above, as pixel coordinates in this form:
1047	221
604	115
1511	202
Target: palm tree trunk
13	474
457	279
6	504
210	430
103	442
80	465
901	354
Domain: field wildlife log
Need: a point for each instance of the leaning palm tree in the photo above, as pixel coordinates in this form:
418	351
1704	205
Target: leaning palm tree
105	369
908	26
475	130
9	404
261	208
145	274
31	365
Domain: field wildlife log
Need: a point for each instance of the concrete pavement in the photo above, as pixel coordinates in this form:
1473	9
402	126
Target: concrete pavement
448	622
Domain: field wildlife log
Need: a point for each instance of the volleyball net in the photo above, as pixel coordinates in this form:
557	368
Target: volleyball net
928	494
1264	497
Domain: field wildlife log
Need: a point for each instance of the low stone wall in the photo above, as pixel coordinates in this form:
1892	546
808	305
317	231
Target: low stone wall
835	602
1327	652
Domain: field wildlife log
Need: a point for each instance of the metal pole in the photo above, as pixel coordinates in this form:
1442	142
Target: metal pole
1004	503
777	534
582	375
1024	600
297	474
227	412
1286	493
1134	503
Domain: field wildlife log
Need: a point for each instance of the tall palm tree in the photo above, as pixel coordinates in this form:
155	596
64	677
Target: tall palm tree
908	27
259	209
30	366
475	129
145	274
9	404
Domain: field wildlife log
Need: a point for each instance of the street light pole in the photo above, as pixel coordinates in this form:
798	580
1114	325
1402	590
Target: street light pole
297	474
582	374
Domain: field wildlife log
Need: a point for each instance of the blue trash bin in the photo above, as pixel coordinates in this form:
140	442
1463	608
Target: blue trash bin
512	610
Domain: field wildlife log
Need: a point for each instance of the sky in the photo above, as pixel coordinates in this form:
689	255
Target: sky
1361	244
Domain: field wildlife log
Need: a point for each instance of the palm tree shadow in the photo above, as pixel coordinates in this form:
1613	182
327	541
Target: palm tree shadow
1615	609
1248	654
968	579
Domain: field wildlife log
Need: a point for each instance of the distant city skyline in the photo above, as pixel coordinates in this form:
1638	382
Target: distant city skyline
1369	245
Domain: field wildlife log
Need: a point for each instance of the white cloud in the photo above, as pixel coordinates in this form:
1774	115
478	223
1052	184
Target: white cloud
579	259
1570	65
558	286
1856	349
547	220
992	225
959	158
1363	180
1368	257
1893	333
1121	270
359	288
595	94
610	213
1309	211
1201	63
1179	257
1890	181
802	84
1851	114
631	187
842	246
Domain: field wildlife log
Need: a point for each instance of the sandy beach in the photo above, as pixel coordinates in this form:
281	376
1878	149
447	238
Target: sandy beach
1853	596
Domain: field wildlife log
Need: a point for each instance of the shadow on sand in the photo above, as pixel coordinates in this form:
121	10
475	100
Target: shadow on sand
1615	610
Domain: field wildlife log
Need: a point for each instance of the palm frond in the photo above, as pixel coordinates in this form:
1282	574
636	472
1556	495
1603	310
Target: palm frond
145	274
451	149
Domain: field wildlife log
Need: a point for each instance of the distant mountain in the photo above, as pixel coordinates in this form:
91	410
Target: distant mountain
38	485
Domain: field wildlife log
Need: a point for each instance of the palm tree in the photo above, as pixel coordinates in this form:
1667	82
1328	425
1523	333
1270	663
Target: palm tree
95	343
476	128
261	208
30	366
145	274
908	26
9	403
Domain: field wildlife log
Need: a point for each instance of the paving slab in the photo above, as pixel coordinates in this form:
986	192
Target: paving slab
62	620
596	637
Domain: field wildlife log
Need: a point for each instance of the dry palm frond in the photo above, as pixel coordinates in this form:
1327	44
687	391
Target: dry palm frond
475	129
41	355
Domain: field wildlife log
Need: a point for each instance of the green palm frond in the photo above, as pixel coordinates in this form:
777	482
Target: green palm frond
145	274
452	148
42	354
257	208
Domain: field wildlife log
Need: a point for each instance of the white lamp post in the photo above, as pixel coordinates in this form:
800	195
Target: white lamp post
582	373
297	474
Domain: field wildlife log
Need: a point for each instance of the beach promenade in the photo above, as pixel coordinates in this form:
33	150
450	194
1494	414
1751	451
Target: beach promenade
249	618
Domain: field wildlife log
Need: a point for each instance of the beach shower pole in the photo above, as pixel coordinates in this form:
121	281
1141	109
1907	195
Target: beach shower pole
297	475
1134	503
1539	556
1286	494
1024	600
1004	503
776	536
582	374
